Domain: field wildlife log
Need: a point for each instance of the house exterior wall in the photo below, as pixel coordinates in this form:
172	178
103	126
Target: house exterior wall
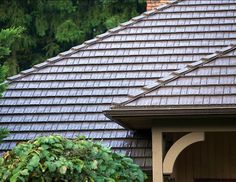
215	158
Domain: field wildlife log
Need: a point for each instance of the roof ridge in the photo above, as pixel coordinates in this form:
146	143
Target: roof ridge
90	42
176	74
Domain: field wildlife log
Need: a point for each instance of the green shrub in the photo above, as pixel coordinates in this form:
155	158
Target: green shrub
3	134
55	158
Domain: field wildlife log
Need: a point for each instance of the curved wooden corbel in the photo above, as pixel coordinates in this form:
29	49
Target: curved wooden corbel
178	147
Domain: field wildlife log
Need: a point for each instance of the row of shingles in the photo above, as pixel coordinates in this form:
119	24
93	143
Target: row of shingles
170	36
68	92
208	6
211	84
208	2
198	13
149	44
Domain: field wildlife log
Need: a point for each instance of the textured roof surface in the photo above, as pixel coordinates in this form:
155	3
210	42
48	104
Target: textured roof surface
210	82
67	94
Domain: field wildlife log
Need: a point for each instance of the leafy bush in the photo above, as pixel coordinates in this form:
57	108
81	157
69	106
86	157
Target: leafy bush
55	158
3	134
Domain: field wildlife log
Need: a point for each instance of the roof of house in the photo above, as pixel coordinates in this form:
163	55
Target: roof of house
205	88
67	94
210	81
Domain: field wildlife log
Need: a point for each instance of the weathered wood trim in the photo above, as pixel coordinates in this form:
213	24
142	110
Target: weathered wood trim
157	155
147	118
198	129
178	147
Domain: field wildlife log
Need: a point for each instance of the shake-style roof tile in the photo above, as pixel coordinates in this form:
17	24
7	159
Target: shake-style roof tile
67	94
185	86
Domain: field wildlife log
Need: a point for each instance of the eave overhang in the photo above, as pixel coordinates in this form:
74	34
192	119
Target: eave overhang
148	117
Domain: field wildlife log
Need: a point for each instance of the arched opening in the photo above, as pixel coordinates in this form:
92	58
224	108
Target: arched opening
178	147
212	160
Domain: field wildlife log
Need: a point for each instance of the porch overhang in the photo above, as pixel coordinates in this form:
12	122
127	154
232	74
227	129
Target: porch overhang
149	117
193	120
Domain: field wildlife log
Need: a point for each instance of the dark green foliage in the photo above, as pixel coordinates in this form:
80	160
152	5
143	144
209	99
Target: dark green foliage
3	73
7	39
68	32
3	134
55	26
55	158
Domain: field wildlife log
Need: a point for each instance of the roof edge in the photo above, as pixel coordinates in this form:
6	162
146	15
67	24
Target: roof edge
142	118
160	110
88	43
175	75
169	111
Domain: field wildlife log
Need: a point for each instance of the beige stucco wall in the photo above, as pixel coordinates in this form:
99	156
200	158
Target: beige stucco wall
213	158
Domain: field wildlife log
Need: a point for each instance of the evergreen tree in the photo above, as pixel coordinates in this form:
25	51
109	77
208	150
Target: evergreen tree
7	39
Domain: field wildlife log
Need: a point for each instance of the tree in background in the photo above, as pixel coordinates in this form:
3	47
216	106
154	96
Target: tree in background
55	26
7	39
54	158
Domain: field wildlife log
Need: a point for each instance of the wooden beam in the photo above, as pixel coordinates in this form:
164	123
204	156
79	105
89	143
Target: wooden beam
198	129
157	155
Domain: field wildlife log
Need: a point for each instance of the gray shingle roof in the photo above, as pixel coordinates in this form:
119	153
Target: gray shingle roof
67	94
210	82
